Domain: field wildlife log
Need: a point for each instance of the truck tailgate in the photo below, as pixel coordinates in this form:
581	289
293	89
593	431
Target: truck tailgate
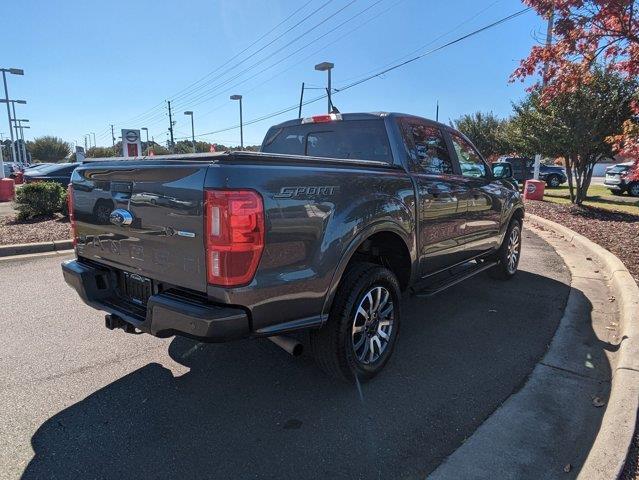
163	240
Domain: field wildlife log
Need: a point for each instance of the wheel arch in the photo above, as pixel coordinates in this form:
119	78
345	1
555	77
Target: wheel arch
402	261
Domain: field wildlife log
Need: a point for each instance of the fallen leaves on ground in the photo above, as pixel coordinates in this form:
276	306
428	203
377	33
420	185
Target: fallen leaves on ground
615	231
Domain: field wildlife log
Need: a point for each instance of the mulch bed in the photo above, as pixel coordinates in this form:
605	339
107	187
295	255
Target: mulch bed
615	231
32	231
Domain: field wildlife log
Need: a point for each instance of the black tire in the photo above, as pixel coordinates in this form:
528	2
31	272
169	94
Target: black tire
616	192
333	345
505	270
553	181
633	189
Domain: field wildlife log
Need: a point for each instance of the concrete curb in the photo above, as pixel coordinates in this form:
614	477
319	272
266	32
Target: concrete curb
607	456
27	248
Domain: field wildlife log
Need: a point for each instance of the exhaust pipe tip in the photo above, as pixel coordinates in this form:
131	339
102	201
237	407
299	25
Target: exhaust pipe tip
288	344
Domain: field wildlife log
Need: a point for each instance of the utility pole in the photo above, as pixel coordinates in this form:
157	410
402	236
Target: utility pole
437	112
94	142
551	21
170	125
299	113
113	138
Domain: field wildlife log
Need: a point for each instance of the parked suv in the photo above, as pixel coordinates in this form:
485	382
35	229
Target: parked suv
523	169
623	177
322	230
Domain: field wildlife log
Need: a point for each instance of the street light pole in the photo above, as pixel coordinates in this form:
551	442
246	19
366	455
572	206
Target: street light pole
23	145
15	125
14	71
327	66
190	114
239	97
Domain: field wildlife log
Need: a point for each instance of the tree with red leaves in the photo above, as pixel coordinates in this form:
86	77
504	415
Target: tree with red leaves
586	33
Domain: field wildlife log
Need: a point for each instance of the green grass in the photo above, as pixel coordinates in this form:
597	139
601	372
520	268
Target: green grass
598	196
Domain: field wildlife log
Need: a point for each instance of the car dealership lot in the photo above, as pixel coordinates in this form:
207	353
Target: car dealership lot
81	401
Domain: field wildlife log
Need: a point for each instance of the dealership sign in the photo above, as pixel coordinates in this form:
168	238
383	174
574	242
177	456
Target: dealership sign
131	143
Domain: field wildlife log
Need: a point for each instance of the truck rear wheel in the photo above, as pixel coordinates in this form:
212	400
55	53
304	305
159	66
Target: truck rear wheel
509	253
362	328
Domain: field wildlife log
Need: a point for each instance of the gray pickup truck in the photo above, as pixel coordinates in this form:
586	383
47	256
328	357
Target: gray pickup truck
322	230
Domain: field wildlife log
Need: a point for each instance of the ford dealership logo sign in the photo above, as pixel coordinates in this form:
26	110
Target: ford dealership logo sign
121	217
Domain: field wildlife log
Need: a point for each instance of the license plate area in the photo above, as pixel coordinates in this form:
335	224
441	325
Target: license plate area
136	288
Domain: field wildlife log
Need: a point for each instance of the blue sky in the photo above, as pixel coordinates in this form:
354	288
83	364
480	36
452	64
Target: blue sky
91	64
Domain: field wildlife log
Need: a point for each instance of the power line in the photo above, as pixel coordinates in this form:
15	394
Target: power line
194	101
439	37
225	82
177	96
370	77
180	93
429	52
337	27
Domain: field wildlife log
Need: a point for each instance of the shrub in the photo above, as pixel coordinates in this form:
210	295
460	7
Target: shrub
39	199
64	206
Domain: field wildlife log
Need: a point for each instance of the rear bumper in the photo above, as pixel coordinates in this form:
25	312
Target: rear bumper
166	315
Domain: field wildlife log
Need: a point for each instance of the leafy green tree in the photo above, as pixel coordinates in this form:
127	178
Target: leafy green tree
486	131
156	147
576	125
101	152
49	149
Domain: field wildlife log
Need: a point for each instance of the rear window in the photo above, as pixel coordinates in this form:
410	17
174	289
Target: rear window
619	169
61	168
353	139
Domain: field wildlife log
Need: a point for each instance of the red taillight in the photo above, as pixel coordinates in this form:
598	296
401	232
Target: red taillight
74	233
234	235
322	118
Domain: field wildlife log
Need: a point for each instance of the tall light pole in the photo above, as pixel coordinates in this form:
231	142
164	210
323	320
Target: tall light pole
94	142
13	71
190	114
239	97
147	138
23	145
13	107
322	67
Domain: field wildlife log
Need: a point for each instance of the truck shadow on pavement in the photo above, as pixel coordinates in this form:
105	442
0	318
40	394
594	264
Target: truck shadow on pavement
248	410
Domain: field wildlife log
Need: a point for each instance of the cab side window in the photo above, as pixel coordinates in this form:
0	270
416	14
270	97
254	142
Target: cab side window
427	148
470	161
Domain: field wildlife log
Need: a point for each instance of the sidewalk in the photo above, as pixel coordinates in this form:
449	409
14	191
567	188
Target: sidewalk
557	424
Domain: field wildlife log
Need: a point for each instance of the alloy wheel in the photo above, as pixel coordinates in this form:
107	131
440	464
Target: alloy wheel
514	246
372	325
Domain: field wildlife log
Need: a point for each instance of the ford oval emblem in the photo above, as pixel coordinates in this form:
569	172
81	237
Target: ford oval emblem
121	217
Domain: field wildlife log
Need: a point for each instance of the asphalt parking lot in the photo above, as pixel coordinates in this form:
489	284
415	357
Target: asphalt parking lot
83	402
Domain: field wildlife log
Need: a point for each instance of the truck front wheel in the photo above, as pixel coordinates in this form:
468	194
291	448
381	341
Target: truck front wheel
362	328
509	253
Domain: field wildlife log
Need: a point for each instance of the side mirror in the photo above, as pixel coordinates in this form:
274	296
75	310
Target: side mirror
502	170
